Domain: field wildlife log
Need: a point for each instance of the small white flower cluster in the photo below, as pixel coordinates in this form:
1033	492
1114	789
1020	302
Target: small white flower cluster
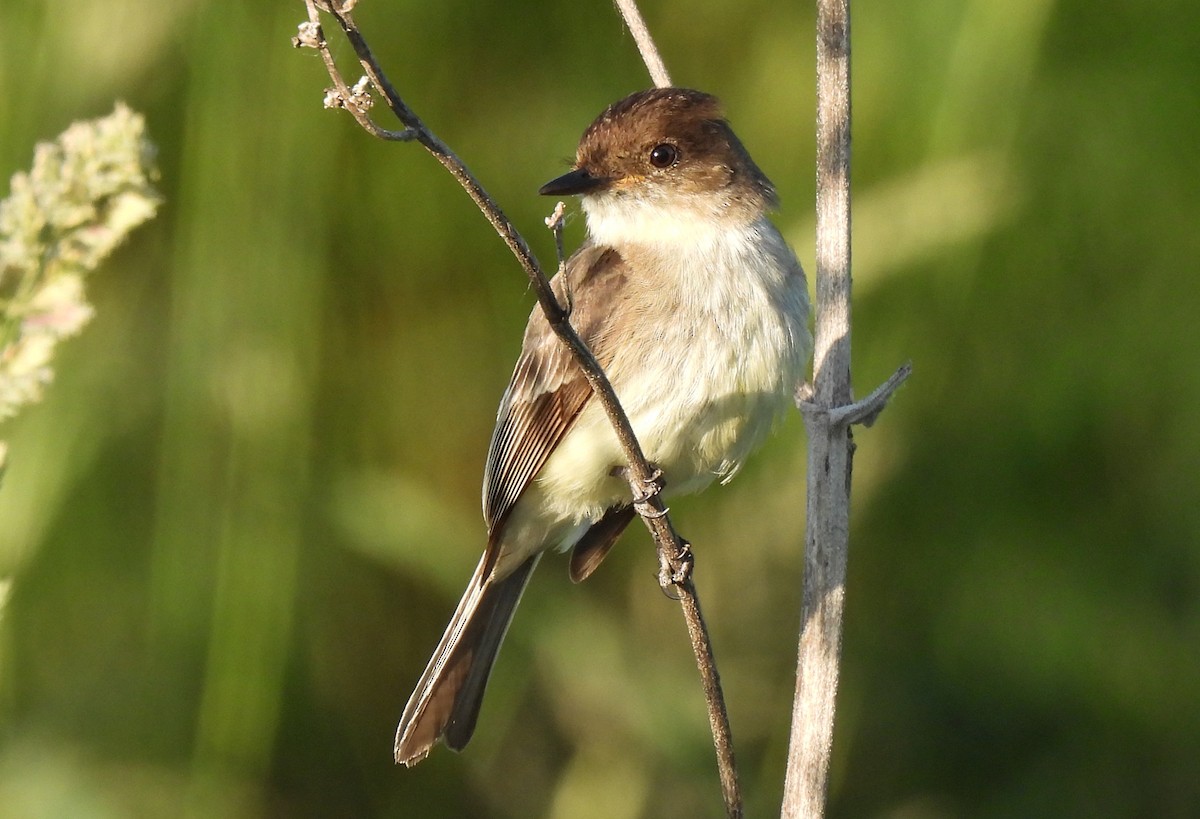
87	190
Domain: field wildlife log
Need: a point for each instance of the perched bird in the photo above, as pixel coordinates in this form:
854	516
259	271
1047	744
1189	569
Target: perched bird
696	309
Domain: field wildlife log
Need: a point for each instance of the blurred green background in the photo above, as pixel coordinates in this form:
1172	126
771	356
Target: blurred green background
247	507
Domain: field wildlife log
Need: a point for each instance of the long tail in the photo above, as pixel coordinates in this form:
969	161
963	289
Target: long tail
447	698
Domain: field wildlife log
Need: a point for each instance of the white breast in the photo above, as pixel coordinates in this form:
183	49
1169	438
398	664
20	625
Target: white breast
719	346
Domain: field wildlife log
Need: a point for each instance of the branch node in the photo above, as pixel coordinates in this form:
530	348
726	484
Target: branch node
356	99
864	411
555	220
309	35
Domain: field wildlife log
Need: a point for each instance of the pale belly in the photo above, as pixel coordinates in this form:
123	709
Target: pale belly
697	414
697	422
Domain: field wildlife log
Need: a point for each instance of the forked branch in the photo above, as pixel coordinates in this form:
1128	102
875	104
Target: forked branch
675	555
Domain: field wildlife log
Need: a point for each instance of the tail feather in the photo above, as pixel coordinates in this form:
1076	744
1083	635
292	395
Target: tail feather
593	547
448	696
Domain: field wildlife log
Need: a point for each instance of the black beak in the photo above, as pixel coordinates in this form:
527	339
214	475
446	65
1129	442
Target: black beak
577	181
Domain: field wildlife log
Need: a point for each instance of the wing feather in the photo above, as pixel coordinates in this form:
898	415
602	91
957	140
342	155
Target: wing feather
548	390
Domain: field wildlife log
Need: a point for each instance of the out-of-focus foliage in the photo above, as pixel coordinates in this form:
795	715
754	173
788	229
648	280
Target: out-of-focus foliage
86	191
239	520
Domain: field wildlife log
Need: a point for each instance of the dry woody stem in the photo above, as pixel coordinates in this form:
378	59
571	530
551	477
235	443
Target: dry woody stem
675	556
829	410
645	43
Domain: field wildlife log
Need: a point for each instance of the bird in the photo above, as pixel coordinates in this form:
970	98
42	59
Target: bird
697	310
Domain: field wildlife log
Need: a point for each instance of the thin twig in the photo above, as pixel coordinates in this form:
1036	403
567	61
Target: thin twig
674	555
555	222
645	43
829	409
355	100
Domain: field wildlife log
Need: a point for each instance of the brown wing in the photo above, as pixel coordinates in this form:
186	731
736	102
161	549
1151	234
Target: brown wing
548	390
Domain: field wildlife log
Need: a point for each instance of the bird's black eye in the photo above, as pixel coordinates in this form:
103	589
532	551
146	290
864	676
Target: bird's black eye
664	156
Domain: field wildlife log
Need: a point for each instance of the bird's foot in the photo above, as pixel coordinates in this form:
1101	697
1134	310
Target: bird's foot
644	490
675	572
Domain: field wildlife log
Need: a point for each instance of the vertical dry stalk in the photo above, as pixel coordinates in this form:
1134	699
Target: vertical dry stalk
829	411
830	449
